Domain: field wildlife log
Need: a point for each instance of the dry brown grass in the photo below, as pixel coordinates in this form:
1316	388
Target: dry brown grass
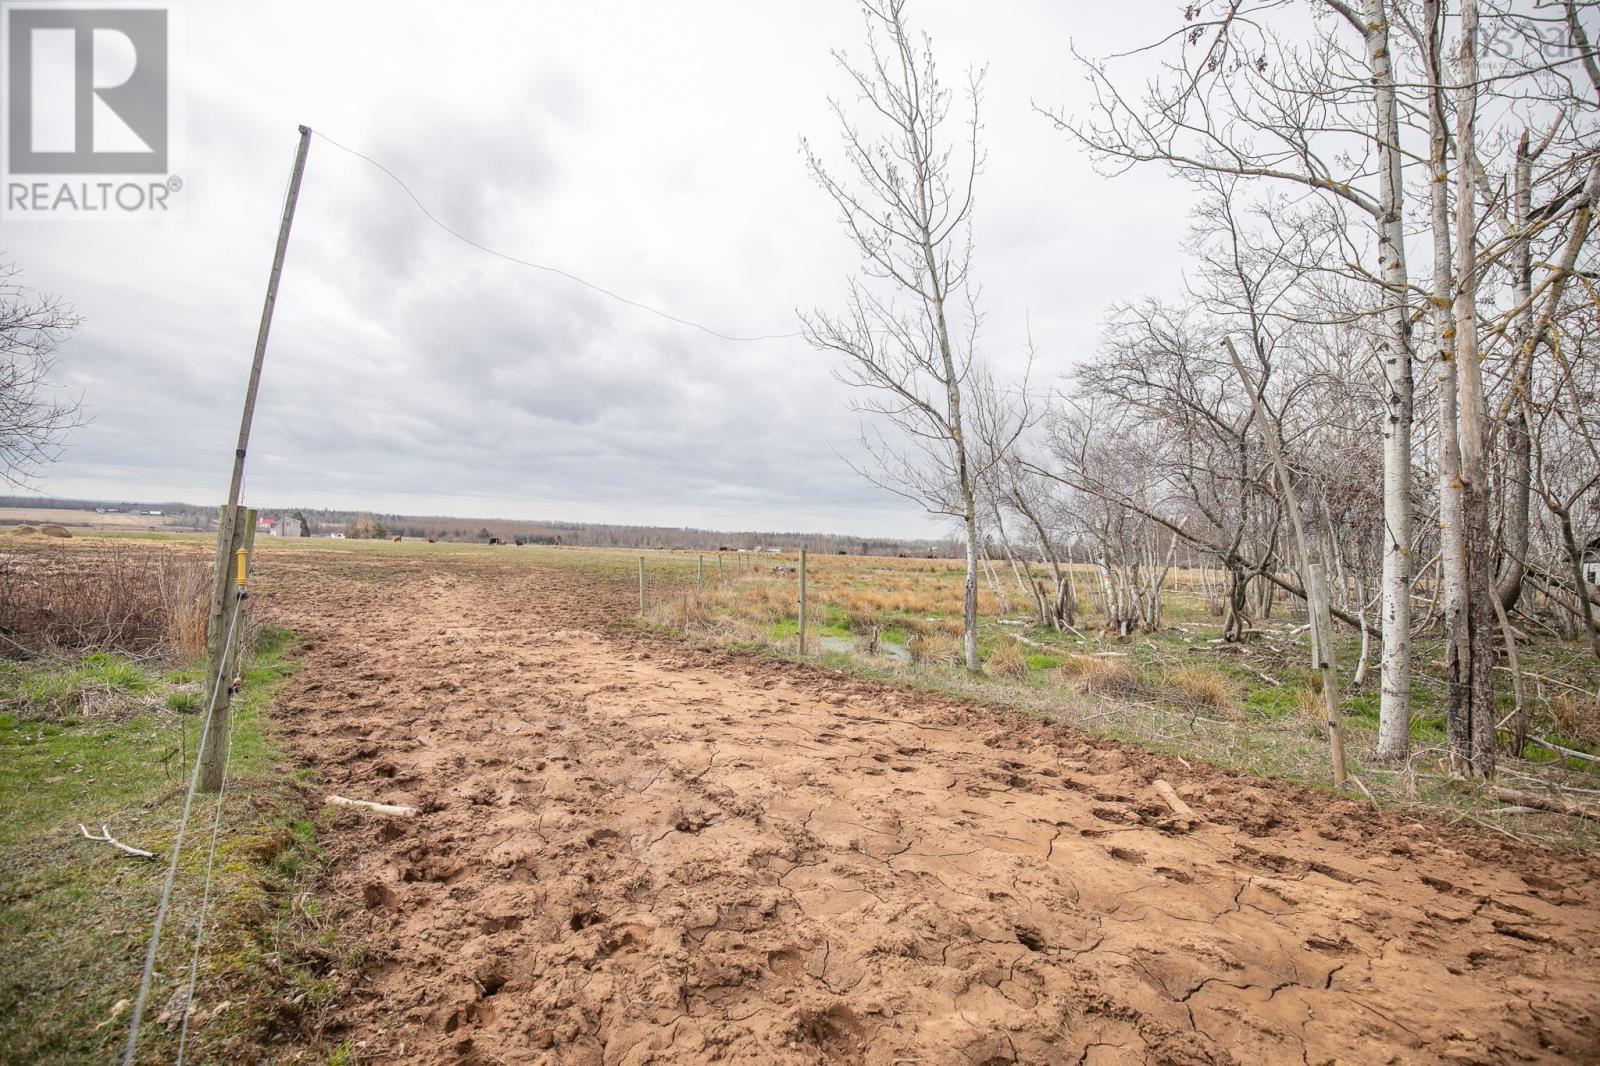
1007	660
1205	687
185	589
936	648
1101	676
1308	703
112	600
1577	717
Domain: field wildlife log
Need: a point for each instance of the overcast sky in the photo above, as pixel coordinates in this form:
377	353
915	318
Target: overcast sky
651	148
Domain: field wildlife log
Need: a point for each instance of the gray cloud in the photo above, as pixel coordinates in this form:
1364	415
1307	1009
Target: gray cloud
649	148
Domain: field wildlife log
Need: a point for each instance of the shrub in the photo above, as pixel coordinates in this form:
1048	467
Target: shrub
105	600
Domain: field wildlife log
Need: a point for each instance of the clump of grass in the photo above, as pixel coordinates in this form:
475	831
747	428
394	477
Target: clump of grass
99	684
1577	718
935	649
183	701
1204	687
184	586
682	612
1098	675
1007	660
1310	708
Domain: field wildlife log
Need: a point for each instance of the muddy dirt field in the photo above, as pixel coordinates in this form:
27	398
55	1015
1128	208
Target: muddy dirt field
632	851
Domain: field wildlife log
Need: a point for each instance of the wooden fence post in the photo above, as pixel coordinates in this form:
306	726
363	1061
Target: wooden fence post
641	586
802	602
221	647
699	572
719	568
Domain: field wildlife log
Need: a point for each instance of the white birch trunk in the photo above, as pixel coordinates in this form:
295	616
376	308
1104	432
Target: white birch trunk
1473	748
1394	709
1452	533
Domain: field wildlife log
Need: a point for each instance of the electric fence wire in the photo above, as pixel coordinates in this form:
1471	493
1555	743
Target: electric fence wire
177	849
216	823
458	235
519	261
205	893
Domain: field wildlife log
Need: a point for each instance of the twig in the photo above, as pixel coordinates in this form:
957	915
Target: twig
105	837
397	809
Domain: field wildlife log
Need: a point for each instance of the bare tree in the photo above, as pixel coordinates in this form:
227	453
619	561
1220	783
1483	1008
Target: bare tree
36	412
1321	114
909	329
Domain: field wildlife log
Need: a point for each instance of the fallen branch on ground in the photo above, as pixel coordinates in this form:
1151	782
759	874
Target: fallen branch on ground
105	837
398	809
1553	804
1568	752
1170	795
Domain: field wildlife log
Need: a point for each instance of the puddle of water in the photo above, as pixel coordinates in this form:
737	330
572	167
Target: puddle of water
885	647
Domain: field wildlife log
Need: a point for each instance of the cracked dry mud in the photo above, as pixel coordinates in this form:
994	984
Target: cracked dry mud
634	851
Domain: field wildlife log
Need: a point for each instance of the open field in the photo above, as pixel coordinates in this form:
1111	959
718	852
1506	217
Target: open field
62	516
633	847
633	850
1253	706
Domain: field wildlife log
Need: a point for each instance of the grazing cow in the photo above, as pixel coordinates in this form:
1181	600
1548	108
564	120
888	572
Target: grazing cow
397	540
494	540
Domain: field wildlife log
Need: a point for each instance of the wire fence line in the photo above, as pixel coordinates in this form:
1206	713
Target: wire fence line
140	1000
205	892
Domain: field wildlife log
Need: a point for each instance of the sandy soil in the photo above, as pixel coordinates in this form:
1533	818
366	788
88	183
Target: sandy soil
635	852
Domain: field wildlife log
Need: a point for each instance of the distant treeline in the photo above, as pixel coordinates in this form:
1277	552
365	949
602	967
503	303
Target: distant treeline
321	522
173	514
601	535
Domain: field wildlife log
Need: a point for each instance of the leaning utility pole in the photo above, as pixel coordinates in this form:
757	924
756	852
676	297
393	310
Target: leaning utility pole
230	530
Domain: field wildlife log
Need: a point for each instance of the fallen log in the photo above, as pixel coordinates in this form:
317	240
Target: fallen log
399	810
1552	804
